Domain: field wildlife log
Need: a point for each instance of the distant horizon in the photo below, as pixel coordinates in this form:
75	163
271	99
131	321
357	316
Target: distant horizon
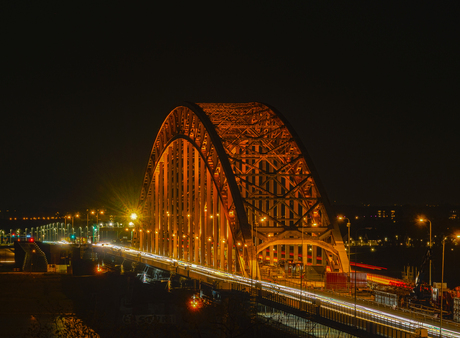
333	204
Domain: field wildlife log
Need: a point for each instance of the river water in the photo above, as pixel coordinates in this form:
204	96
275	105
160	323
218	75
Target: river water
395	258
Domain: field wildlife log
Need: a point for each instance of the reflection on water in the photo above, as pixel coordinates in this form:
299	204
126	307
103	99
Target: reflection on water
6	255
64	325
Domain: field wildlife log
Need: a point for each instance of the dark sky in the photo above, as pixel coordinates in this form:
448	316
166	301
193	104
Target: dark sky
373	89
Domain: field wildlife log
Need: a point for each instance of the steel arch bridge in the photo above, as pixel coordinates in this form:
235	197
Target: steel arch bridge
230	186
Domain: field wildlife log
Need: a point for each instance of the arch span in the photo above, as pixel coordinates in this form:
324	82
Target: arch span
226	180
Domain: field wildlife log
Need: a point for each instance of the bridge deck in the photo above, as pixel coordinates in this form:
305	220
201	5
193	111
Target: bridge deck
367	312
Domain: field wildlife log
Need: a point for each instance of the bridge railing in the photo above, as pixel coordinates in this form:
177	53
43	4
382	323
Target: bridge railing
333	312
415	315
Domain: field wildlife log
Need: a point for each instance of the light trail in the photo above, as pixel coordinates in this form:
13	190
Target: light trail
380	317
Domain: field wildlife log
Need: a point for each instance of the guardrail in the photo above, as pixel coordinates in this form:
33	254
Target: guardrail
413	314
340	317
423	317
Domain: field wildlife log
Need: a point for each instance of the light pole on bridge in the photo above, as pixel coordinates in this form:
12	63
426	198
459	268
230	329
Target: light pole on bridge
349	261
134	217
96	229
423	220
348	241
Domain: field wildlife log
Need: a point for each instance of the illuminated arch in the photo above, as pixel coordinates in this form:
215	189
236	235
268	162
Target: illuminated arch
225	181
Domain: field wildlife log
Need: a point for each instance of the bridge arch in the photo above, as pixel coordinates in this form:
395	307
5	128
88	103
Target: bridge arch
230	183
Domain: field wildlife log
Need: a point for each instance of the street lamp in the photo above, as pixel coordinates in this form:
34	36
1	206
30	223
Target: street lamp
442	283
255	243
134	217
65	225
97	213
348	241
131	225
349	262
72	218
423	220
260	223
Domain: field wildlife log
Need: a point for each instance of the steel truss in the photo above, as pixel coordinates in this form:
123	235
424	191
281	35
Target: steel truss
231	185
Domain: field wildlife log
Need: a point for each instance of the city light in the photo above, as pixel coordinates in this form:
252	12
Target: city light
195	304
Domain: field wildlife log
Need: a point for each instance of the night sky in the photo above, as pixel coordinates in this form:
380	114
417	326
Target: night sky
373	90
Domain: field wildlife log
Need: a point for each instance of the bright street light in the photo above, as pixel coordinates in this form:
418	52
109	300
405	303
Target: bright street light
342	218
349	262
423	220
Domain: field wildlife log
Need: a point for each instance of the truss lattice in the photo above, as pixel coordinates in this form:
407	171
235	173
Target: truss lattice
230	186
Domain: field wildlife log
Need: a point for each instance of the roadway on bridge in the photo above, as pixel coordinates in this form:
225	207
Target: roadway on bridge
408	321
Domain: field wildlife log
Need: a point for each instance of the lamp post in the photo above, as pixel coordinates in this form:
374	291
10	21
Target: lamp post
65	225
254	237
348	244
133	217
442	284
87	224
189	240
120	231
131	225
349	262
72	218
254	244
96	212
212	259
422	220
